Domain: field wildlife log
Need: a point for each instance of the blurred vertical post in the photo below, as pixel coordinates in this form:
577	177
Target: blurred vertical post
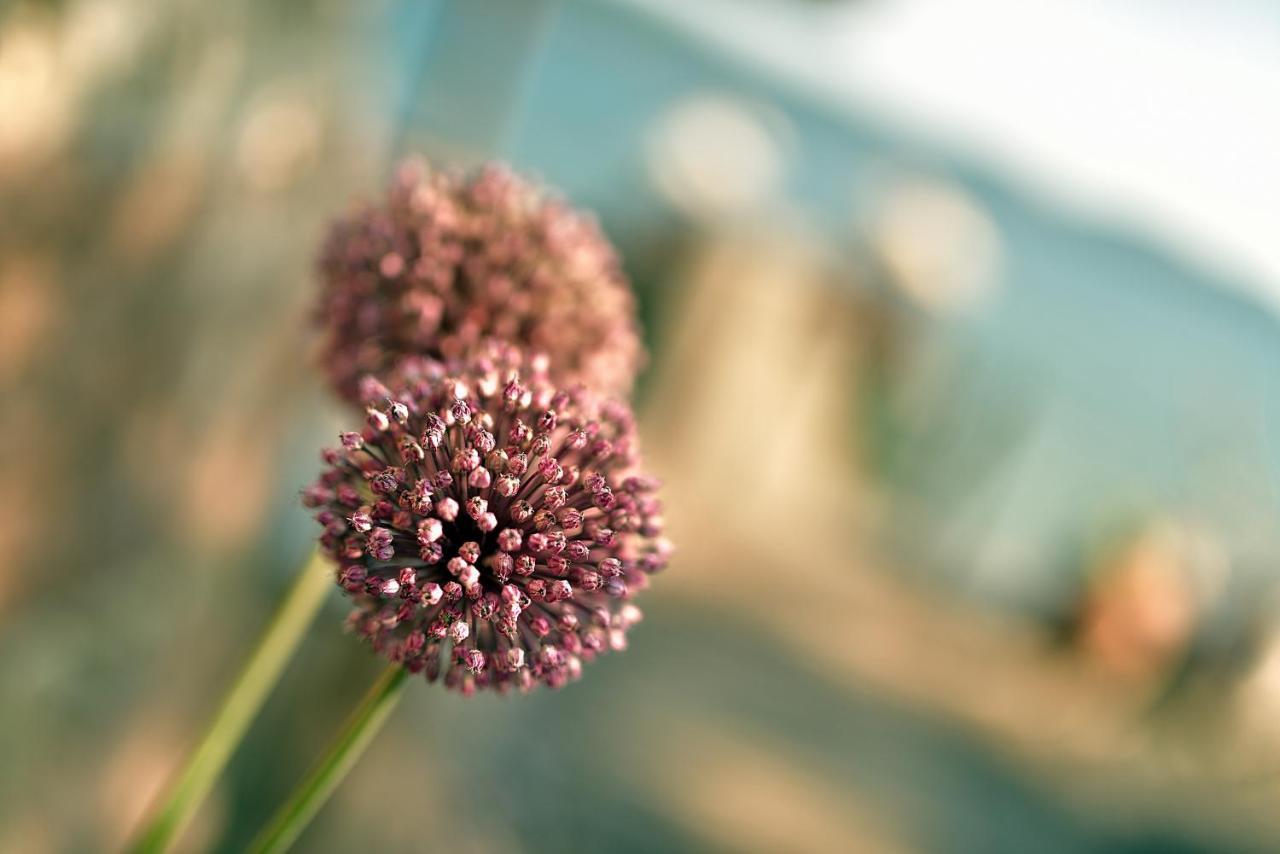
470	81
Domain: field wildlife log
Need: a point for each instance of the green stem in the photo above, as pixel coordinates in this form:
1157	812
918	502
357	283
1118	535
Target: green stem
239	707
310	795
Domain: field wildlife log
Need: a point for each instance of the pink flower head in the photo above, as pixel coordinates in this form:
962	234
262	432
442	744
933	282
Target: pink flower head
449	260
503	585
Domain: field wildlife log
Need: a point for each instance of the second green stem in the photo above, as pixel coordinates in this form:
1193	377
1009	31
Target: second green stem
294	816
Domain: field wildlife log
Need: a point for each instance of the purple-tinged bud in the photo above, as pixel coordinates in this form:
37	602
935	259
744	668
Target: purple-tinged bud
473	660
501	565
483	441
518	463
383	587
521	511
469	577
559	590
351	441
385	482
414	642
465	459
430	530
351	578
510	540
378	420
571	643
508	485
379	544
317	496
371	390
550	657
433	432
417	498
410	451
447	509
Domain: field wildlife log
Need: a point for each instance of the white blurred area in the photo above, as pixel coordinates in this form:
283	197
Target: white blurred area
1161	117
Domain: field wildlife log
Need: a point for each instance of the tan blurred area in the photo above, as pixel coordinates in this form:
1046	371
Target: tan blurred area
771	503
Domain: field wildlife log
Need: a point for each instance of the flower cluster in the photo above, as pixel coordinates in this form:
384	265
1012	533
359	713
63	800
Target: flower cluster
451	260
490	525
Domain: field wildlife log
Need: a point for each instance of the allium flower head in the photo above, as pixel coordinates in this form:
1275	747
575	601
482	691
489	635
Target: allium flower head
450	260
489	526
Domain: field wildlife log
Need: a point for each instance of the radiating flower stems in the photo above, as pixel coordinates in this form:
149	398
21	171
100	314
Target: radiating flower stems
310	795
239	708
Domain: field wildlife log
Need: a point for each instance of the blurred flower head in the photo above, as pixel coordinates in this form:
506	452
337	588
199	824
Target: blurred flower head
450	260
488	525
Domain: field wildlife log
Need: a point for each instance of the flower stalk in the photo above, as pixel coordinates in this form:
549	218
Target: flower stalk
239	707
312	793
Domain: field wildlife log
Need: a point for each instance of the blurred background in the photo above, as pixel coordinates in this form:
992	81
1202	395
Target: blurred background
965	346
